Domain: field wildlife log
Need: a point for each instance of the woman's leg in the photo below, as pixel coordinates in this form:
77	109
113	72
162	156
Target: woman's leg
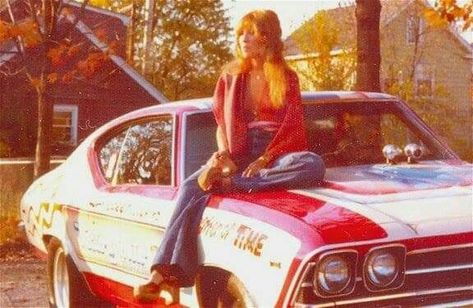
293	170
177	255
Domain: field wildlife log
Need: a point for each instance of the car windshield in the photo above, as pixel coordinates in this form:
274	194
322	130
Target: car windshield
344	134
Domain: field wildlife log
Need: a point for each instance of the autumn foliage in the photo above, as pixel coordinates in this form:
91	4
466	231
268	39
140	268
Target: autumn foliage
63	56
27	30
446	12
49	49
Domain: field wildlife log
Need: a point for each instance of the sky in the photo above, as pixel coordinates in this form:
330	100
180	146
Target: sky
292	13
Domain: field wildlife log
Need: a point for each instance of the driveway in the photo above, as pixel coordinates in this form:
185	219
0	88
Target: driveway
22	277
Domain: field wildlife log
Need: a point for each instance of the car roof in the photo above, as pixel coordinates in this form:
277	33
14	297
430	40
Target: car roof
205	104
323	96
307	97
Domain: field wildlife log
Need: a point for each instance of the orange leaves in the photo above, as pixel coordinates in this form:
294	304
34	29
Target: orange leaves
91	64
448	11
434	18
56	55
29	32
69	76
73	50
52	78
4	31
62	54
26	30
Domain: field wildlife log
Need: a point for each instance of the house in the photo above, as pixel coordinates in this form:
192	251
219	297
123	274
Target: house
80	105
431	68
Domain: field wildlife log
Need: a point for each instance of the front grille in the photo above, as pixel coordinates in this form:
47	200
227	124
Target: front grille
431	275
441	267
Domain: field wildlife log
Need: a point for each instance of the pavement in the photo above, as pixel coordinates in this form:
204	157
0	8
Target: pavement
23	284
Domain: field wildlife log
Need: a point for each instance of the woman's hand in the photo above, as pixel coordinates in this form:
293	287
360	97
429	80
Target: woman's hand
226	163
254	168
222	160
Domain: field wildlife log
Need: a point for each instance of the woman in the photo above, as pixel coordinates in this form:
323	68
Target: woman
261	144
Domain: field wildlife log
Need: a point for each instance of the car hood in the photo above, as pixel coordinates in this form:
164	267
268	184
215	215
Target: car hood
424	199
378	183
371	202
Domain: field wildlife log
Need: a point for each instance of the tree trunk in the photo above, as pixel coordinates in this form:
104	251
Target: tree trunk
147	65
45	123
130	45
368	49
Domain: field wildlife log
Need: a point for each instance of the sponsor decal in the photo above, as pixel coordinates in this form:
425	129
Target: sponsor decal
250	240
241	236
212	228
120	244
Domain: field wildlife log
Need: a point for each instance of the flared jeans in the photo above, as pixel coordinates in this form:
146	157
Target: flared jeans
178	257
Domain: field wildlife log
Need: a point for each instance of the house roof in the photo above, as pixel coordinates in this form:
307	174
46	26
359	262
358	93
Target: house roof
121	63
94	23
345	17
95	11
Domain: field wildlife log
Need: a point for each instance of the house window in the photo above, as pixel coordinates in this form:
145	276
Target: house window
415	28
424	81
65	125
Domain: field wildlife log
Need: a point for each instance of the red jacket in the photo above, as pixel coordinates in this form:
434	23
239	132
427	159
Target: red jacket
230	116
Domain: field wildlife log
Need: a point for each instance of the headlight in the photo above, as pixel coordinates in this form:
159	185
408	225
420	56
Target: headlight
335	274
384	267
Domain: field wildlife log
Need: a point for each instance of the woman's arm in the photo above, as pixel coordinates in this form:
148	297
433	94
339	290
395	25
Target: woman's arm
222	143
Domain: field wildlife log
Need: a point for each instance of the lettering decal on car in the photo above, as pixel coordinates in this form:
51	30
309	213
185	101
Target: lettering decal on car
250	240
241	236
212	228
121	244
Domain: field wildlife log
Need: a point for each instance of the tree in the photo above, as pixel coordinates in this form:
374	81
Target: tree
179	46
367	14
329	63
40	33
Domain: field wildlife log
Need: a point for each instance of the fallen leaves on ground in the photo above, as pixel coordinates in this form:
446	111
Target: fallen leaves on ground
16	250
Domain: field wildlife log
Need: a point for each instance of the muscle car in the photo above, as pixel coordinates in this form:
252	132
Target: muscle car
391	225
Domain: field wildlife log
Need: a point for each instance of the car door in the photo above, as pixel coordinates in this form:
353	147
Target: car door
118	234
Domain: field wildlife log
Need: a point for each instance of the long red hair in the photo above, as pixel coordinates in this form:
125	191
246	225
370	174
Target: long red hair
265	24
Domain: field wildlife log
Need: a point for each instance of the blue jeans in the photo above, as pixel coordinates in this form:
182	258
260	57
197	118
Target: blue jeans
177	256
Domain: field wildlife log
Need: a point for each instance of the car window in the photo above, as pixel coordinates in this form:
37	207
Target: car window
200	141
394	131
343	134
355	134
108	155
140	154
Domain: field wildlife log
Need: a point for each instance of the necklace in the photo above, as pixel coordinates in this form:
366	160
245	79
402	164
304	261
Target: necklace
257	75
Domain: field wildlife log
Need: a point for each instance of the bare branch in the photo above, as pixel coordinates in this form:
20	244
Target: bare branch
7	71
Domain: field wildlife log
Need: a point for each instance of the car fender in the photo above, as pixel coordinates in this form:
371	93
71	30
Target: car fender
262	265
